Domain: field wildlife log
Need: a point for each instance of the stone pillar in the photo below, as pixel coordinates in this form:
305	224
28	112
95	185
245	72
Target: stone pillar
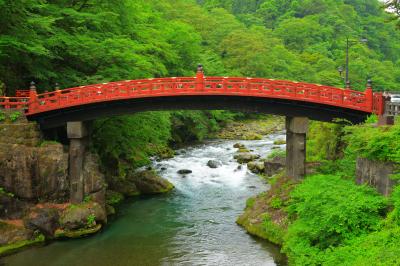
385	120
296	133
77	134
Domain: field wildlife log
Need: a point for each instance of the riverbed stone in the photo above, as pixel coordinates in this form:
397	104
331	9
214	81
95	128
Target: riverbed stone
256	167
10	233
76	216
149	182
246	157
214	164
46	220
185	171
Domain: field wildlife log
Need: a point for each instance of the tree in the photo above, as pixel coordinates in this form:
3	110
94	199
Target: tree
394	6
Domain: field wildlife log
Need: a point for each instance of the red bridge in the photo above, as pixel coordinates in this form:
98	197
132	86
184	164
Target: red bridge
279	97
296	100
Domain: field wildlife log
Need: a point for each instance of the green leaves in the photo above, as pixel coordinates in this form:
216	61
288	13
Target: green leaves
329	212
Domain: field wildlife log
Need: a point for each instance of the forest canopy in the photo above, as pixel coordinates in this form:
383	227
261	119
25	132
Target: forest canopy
89	41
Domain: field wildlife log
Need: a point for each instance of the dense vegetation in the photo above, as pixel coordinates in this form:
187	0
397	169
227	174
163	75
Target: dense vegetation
90	41
329	219
80	42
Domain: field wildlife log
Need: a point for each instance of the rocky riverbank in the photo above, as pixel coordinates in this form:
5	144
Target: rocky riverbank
34	184
34	189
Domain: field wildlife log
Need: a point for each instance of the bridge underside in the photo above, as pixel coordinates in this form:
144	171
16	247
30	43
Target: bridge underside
291	108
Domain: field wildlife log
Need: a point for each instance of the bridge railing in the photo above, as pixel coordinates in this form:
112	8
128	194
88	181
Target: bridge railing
392	108
14	103
200	85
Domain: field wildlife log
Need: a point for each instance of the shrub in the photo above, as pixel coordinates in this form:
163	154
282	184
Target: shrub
14	116
328	211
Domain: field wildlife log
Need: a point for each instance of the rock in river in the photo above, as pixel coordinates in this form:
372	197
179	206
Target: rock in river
185	171
214	164
246	157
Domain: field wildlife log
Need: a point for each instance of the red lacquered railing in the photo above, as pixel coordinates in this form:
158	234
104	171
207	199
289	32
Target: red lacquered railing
14	103
201	85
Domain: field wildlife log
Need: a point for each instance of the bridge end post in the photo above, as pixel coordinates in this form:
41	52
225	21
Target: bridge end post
77	133
296	134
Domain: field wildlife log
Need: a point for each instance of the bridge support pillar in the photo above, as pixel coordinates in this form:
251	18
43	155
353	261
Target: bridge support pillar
296	133
77	134
385	120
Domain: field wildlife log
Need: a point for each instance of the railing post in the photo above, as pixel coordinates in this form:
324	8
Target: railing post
369	96
7	103
200	79
58	97
32	97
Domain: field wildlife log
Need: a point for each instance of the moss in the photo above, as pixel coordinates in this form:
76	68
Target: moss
113	197
243	150
77	233
46	143
252	136
273	232
167	189
279	142
14	247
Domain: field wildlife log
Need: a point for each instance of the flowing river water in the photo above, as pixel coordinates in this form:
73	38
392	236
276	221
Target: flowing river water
194	225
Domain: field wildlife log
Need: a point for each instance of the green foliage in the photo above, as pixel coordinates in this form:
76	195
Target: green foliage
277	153
250	202
4	192
323	141
2	116
376	143
48	143
276	203
329	211
91	220
87	199
14	116
128	141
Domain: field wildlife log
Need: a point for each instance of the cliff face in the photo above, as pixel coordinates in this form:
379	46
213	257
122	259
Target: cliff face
34	188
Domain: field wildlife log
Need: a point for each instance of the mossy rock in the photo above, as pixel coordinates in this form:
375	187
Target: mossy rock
20	245
77	233
252	136
279	142
149	182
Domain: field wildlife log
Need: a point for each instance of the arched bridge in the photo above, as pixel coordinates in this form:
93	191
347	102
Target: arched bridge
52	109
298	101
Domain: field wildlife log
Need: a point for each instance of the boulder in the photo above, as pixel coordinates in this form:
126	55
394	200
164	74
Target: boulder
79	216
123	185
246	157
10	233
185	171
239	146
44	220
214	164
256	167
11	207
149	182
274	165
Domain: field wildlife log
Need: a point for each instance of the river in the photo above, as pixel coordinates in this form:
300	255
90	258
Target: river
194	225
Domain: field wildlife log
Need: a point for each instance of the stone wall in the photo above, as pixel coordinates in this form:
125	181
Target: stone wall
376	174
36	171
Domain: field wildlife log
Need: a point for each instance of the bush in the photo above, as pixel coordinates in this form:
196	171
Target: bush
328	211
